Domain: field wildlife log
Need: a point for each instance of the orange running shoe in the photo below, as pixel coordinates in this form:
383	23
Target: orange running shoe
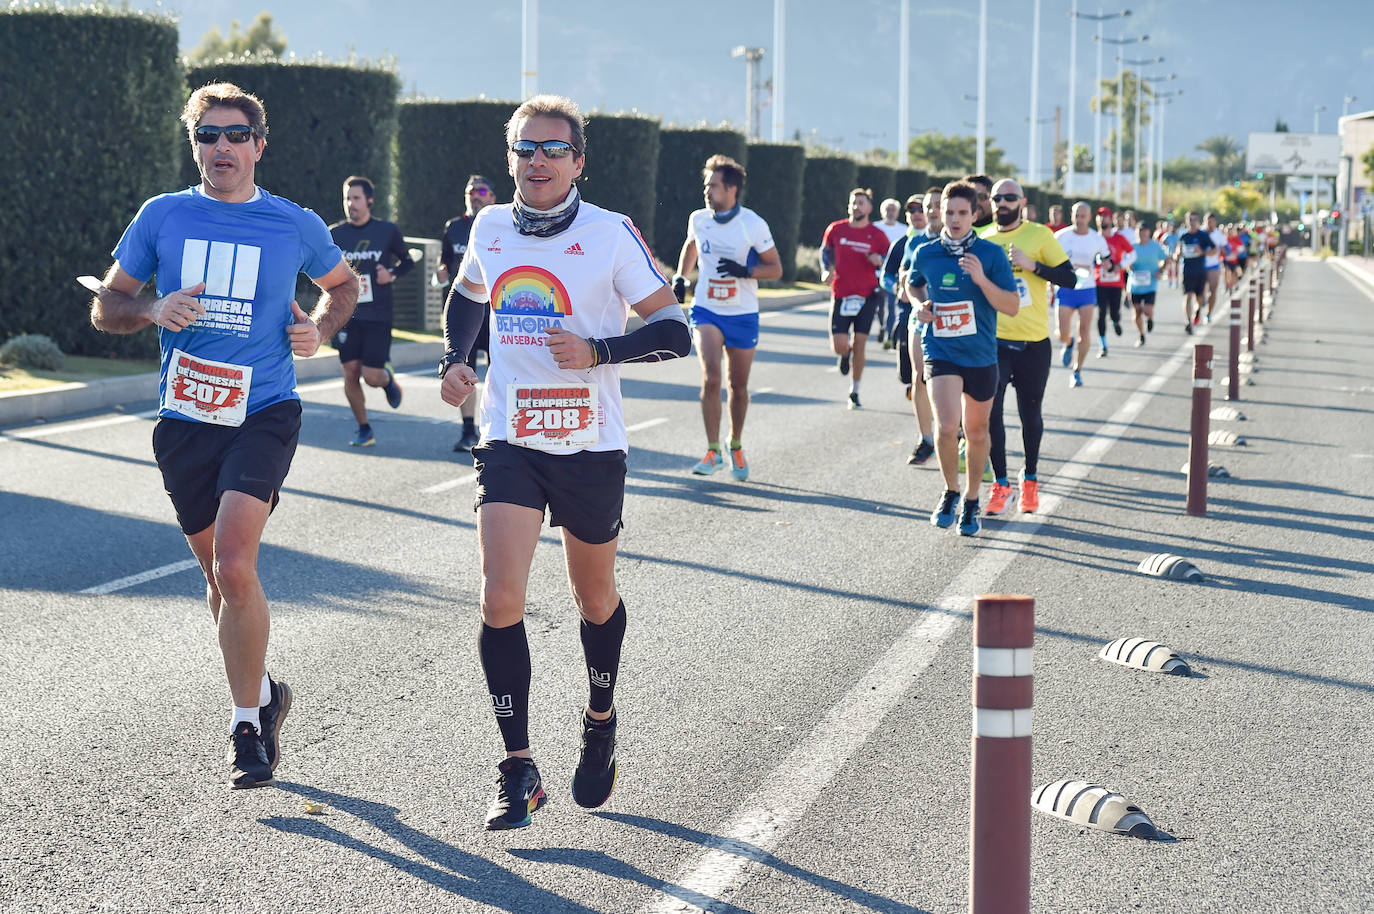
997	501
1030	496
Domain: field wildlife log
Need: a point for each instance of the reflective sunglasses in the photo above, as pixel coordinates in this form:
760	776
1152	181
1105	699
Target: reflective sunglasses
914	208
483	191
236	133
553	149
1008	198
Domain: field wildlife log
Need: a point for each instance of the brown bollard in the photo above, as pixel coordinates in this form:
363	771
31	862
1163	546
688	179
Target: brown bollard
1250	322
999	828
1257	290
1233	381
1197	438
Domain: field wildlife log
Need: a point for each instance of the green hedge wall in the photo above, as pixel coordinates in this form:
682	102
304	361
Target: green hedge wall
825	194
681	153
324	123
93	133
882	180
911	181
438	145
618	175
773	190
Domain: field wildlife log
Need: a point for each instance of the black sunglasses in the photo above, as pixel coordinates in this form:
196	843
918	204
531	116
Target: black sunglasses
237	133
914	208
1009	198
553	149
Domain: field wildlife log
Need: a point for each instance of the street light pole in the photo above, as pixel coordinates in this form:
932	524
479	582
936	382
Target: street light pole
982	85
1135	137
904	87
1034	157
1099	18
529	49
751	56
1162	99
1120	102
1153	163
1070	171
1316	128
779	69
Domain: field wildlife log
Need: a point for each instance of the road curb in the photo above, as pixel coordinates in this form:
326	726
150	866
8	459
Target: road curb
140	390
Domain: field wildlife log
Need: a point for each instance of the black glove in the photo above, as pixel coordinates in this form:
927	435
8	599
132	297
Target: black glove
728	267
680	288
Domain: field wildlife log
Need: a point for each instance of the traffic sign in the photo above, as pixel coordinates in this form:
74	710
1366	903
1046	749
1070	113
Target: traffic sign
1294	153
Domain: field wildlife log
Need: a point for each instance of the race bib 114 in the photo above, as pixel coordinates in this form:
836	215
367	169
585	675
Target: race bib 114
954	318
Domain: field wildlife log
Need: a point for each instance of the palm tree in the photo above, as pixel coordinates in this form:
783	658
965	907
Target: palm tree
1225	152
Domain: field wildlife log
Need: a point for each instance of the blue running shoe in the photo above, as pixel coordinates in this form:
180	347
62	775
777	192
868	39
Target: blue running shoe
363	437
968	521
1076	380
943	515
1066	357
393	390
739	467
709	464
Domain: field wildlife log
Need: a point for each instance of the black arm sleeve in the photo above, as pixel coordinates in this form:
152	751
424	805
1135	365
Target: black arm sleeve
462	320
1062	275
657	341
402	253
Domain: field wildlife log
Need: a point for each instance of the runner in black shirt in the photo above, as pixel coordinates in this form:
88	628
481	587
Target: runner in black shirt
480	193
377	253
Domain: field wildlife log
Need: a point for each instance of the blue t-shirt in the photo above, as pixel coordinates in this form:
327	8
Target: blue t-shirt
1195	248
248	255
1145	268
965	327
1171	242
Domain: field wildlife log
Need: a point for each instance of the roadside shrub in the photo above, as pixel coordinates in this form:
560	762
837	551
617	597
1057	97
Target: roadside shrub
825	194
31	350
773	190
681	153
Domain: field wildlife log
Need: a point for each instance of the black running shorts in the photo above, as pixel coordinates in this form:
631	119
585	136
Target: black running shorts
368	341
1142	298
1194	283
861	322
200	461
979	383
584	492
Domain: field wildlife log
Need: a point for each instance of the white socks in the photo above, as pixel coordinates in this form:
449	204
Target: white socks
265	691
251	714
853	387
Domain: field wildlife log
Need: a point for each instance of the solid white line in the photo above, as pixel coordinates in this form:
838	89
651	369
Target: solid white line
150	575
49	430
1360	279
759	823
451	484
650	423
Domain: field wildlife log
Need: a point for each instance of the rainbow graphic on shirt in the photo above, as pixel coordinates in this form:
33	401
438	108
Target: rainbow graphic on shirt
529	291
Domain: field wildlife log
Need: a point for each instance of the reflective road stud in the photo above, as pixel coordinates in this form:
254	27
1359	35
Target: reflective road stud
1197	440
999	830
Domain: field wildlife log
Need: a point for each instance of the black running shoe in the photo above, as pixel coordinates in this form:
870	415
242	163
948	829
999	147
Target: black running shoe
1150	324
467	441
854	401
921	454
519	792
1116	326
393	389
844	363
596	771
271	716
248	766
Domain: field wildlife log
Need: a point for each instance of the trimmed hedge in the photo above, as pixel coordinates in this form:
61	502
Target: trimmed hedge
911	181
324	122
438	145
825	194
681	153
773	190
616	175
69	194
882	180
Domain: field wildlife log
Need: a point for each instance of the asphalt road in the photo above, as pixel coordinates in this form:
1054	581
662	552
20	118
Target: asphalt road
795	690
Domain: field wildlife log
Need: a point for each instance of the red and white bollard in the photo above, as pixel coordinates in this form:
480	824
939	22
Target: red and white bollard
1233	382
999	828
1250	322
1197	439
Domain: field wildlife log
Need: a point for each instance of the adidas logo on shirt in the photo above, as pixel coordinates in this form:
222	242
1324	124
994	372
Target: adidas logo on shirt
574	249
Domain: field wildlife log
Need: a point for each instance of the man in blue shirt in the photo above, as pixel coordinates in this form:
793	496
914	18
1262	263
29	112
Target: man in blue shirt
1193	248
1144	281
963	282
226	254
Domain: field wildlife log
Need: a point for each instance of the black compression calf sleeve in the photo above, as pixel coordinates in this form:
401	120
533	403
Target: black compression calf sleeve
505	654
601	646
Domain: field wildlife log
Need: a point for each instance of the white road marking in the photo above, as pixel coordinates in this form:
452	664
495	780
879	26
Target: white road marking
761	821
641	426
49	430
150	575
450	484
1359	279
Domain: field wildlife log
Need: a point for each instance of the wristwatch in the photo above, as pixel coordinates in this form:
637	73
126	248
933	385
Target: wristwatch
450	359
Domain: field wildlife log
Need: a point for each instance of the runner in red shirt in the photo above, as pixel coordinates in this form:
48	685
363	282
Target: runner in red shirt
1110	275
851	251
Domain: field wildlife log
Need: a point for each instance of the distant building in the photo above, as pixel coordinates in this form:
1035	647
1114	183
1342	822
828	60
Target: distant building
1357	138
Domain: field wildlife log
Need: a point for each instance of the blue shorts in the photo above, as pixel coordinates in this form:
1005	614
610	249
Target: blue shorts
1213	266
1076	298
741	331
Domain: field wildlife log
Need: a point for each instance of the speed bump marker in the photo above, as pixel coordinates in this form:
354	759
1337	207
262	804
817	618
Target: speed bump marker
1227	414
1214	470
1145	655
1164	565
1224	438
1093	806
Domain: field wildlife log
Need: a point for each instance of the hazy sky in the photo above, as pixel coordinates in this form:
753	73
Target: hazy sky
1239	64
